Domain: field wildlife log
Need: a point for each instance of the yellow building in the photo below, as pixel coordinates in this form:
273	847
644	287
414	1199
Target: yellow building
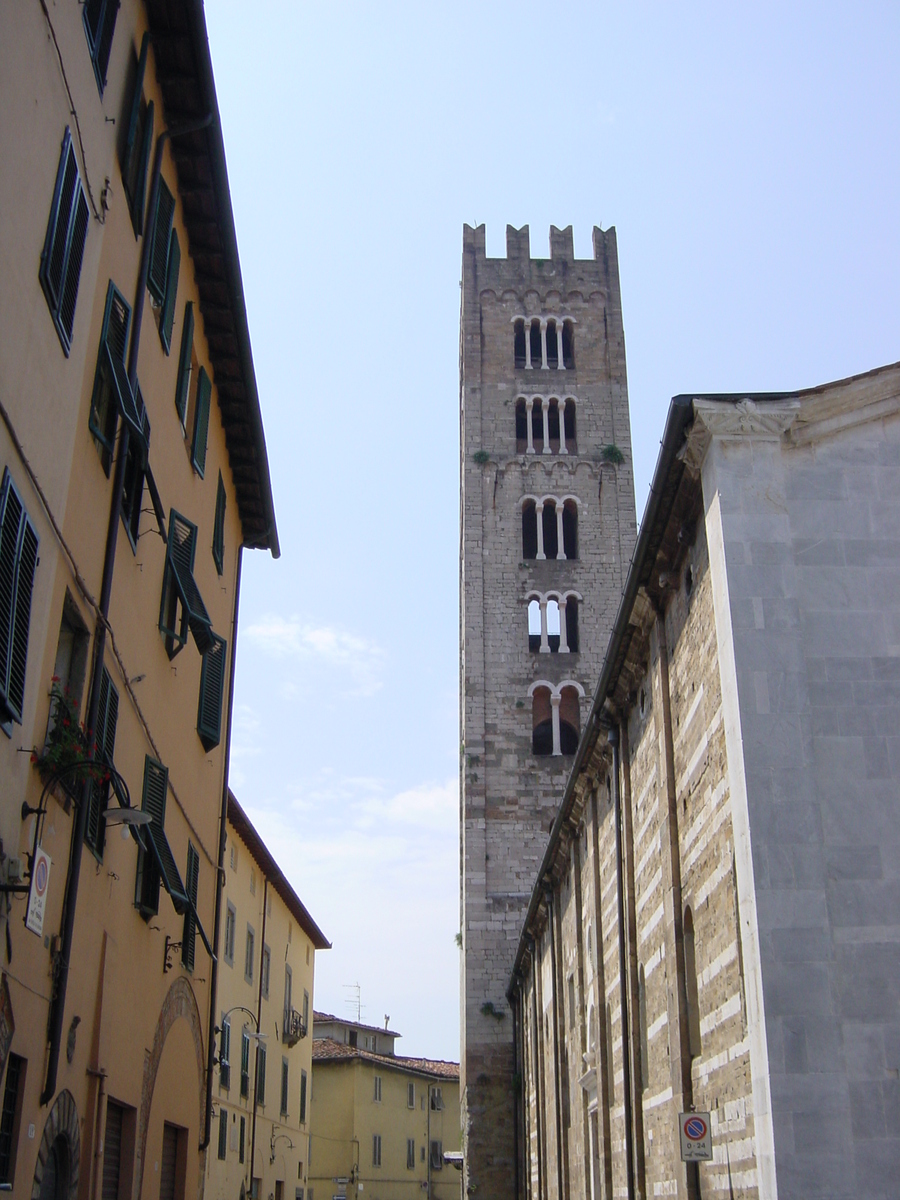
382	1124
133	472
262	1092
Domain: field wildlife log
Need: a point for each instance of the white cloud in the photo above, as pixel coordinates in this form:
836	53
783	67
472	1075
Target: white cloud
294	637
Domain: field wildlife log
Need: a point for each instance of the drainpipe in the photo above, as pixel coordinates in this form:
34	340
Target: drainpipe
514	1006
613	739
554	984
258	1039
538	1090
57	1010
220	866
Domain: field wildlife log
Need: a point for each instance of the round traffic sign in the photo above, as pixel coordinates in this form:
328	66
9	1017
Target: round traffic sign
40	877
695	1128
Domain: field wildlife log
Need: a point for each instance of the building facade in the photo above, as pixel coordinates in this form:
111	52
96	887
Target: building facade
714	923
381	1123
133	473
547	527
264	1070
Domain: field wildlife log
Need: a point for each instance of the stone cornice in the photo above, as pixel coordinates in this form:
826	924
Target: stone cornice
768	421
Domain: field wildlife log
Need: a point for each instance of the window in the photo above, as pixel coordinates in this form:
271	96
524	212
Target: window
302	1097
135	464
284	1087
248	954
68	674
306	1010
223	1132
201	422
242	1139
189	932
377	1096
181	605
118	1147
543	343
245	1063
553	623
107	719
410	1154
288	984
99	18
156	865
410	1095
134	153
18	561
165	261
437	1100
549	527
437	1156
376	1150
230	923
110	377
260	1073
545	425
218	543
11	1115
61	258
225	1053
212	688
690	983
555	717
185	364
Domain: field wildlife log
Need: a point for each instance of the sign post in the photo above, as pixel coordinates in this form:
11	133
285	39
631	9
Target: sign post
696	1138
37	897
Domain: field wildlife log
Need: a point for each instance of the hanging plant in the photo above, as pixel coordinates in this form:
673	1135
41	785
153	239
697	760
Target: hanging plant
68	744
612	454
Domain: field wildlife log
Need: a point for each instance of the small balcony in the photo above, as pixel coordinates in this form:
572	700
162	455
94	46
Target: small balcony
294	1029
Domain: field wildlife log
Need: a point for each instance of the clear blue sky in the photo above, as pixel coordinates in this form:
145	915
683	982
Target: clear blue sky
748	157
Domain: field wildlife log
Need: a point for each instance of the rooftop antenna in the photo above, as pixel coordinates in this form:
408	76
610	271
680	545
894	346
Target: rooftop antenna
355	999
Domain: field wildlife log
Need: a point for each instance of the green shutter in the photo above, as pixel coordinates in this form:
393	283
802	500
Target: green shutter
218	546
99	18
184	362
201	422
138	140
159	246
153	801
189	933
18	561
63	253
167	317
104	749
212	687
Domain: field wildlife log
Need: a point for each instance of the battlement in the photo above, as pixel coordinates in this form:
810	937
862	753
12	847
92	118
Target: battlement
518	244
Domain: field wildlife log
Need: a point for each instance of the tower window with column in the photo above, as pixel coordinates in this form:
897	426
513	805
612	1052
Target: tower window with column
553	623
544	343
545	425
555	717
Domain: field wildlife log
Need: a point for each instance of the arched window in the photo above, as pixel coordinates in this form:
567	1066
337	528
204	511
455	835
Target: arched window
571	611
553	330
553	426
690	983
568	341
553	625
534	625
551	537
534	337
537	425
521	426
529	530
569	721
541	722
519	342
569	427
570	529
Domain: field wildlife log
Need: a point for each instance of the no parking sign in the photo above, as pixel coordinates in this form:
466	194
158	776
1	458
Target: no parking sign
37	897
696	1139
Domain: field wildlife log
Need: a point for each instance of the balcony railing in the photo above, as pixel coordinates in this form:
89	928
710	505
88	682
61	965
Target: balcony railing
294	1028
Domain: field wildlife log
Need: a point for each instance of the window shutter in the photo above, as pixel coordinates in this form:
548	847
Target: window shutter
116	322
189	934
218	546
61	258
153	801
138	140
18	560
184	362
99	23
212	687
201	422
159	247
167	318
104	749
135	115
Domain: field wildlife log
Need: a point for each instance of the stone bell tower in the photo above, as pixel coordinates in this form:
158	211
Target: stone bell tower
547	530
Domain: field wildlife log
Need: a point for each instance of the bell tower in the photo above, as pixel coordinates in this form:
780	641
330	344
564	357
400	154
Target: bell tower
547	530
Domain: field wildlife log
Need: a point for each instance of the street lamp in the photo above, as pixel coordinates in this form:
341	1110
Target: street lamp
257	1037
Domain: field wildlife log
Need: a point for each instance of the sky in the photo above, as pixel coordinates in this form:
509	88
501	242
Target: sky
748	157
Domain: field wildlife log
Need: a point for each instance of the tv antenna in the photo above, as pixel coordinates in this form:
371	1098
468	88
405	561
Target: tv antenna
354	999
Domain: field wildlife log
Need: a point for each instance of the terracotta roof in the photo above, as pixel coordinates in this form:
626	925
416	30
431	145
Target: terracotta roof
328	1050
262	856
325	1017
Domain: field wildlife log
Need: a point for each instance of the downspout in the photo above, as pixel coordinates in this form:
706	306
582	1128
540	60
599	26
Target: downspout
220	865
604	1066
538	1061
258	1018
57	1011
554	984
613	738
517	1083
631	915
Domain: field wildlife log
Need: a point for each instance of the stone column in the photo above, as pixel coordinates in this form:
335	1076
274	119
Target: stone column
561	365
539	513
529	406
562	427
545	644
528	366
554	708
560	549
544	364
545	413
563	633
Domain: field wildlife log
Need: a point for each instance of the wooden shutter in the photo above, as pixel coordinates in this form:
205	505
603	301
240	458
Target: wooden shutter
184	362
167	317
223	1132
18	560
168	1162
260	1073
191	881
212	688
284	1086
302	1097
218	546
153	801
99	23
159	246
112	1150
104	749
136	150
63	253
201	422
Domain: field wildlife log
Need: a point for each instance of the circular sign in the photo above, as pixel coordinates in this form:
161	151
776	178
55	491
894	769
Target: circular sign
695	1129
40	877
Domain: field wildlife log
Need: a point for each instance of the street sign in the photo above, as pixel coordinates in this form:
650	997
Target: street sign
37	897
696	1138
